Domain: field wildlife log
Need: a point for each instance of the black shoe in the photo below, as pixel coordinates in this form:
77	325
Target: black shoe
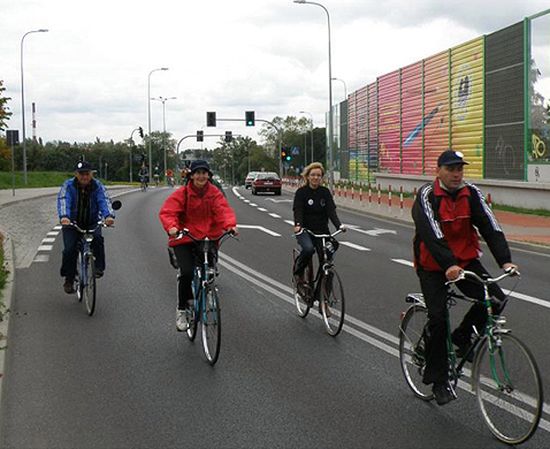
443	393
68	286
462	344
98	274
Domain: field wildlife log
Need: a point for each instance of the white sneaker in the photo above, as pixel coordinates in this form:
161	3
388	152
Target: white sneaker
182	322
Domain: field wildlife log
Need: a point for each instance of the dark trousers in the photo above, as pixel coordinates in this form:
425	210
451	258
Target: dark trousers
308	246
435	294
71	238
186	257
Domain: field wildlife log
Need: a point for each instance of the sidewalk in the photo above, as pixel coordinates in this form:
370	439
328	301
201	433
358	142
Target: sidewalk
522	228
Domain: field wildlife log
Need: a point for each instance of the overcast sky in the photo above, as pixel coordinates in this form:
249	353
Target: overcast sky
88	74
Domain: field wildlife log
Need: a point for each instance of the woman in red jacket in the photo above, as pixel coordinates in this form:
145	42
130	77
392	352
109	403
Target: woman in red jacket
200	207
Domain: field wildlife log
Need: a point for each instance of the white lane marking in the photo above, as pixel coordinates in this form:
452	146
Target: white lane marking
247	201
517	295
290	222
262	209
360	335
45	248
58	227
53	233
404	262
253	205
260	228
41	258
279	201
374	232
275	215
48	240
354	246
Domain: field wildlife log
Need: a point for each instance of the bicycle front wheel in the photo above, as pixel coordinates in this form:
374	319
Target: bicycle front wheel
303	291
508	386
412	347
332	302
89	291
211	325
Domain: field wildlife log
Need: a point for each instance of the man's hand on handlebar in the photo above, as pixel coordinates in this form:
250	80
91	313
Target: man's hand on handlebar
453	272
343	228
109	221
510	267
65	221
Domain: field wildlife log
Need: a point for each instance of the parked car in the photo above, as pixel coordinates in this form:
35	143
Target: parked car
249	178
266	182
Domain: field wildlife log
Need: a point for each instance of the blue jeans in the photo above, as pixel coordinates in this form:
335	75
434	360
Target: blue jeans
71	238
309	245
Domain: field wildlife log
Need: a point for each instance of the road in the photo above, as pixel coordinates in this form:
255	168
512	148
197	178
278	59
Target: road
126	379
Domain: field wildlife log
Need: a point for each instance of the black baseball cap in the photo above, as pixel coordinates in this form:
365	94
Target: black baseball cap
83	166
200	164
451	157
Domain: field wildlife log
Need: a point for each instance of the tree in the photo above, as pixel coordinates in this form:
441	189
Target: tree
5	114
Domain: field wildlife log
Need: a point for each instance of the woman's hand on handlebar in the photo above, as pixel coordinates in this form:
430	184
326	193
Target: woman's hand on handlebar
172	232
510	267
343	228
453	272
233	231
65	221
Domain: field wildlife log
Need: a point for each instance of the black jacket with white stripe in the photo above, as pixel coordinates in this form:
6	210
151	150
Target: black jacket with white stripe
446	224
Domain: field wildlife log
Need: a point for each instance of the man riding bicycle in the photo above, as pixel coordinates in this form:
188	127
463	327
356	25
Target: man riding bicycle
84	201
203	210
313	207
446	214
143	176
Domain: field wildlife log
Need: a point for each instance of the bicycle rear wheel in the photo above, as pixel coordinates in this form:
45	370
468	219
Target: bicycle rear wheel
89	290
211	325
507	382
302	292
412	349
333	305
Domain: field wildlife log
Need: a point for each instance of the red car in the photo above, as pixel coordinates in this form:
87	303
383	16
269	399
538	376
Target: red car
266	182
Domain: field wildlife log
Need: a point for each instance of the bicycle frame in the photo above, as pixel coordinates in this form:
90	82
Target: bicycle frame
202	277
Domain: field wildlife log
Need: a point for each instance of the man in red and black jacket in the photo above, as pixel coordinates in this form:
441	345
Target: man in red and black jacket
448	213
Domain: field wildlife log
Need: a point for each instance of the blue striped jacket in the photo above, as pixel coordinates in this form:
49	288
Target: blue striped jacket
100	203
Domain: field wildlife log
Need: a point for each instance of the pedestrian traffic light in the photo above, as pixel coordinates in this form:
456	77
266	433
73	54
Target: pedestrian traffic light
228	136
140	130
249	118
210	119
283	154
200	136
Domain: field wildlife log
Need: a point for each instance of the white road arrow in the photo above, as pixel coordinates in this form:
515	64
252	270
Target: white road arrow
260	228
375	232
279	201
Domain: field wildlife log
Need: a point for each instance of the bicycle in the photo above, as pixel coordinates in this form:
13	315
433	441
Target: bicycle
144	181
326	287
504	375
206	304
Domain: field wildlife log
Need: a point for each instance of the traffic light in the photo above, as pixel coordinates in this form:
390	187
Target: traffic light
140	130
249	118
210	119
200	136
228	136
283	154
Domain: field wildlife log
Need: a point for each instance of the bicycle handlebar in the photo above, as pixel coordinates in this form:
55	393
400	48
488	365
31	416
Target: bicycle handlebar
185	233
465	274
335	233
100	224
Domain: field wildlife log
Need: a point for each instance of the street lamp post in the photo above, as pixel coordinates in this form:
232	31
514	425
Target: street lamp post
149	116
23	105
345	87
330	130
311	131
163	100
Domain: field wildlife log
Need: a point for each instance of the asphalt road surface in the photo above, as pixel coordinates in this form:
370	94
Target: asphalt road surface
125	378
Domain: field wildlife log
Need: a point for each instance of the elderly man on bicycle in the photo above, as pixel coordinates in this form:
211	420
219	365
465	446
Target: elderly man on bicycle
84	201
447	214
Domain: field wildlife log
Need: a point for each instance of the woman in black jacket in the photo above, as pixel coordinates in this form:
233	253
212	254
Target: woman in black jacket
313	206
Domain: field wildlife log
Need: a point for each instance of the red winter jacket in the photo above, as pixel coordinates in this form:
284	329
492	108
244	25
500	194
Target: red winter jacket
205	212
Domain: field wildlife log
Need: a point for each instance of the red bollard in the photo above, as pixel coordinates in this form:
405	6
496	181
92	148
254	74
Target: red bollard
360	193
379	196
389	196
370	194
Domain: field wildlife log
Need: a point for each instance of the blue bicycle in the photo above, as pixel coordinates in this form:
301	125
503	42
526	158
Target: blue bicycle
206	304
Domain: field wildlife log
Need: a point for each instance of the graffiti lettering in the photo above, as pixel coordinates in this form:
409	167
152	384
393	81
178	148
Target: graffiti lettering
505	154
539	147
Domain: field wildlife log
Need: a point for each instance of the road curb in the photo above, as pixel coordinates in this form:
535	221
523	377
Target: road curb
8	294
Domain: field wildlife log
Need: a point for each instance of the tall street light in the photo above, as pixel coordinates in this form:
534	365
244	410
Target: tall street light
330	131
23	104
163	100
311	131
149	117
345	87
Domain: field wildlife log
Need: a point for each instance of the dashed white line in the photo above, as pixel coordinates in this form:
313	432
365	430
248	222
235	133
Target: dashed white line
247	201
262	209
48	240
404	262
354	246
290	222
53	233
253	205
275	215
45	248
58	227
41	258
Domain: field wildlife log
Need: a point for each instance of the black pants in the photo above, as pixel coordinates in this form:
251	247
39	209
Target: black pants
188	255
435	294
309	245
71	238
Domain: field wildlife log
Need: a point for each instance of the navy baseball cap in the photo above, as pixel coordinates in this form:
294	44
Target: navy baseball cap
83	166
198	165
450	157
